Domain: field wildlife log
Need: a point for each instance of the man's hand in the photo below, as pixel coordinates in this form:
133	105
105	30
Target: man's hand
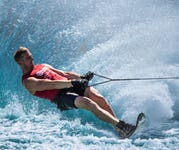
80	83
88	76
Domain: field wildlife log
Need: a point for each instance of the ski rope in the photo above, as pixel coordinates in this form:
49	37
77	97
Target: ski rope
129	79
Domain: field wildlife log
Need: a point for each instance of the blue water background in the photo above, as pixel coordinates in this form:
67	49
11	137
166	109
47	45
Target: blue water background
118	39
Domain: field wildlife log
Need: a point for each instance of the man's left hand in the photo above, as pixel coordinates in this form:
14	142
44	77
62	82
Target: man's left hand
78	83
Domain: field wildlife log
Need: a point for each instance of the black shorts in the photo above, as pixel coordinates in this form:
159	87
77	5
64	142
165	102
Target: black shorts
65	99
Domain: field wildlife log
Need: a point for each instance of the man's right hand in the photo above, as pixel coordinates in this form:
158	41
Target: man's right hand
80	83
88	76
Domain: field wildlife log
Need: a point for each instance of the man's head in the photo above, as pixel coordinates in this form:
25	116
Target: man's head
23	56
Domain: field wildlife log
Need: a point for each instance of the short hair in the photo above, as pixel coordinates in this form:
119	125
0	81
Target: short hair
18	53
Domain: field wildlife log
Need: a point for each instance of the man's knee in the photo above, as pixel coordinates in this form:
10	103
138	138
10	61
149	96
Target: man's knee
92	92
85	103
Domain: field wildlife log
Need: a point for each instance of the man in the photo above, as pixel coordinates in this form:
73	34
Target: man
67	89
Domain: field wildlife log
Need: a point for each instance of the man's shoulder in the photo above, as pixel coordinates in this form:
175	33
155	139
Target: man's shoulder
46	65
29	84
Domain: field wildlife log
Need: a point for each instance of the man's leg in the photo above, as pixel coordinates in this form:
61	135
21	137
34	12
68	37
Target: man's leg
88	104
95	96
124	129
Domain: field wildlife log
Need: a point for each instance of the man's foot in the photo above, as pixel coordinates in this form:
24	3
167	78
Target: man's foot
125	130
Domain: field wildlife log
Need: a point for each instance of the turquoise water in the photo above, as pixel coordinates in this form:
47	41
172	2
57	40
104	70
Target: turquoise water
118	39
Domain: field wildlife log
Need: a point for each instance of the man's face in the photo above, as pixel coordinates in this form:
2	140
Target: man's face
27	59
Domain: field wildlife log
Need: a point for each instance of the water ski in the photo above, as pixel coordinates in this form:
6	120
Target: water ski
140	120
128	130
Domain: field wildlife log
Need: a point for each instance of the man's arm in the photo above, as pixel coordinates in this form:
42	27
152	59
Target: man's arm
68	75
72	75
32	84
